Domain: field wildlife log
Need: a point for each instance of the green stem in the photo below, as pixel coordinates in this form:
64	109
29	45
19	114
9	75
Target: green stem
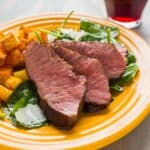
66	19
56	34
39	37
21	103
45	31
108	36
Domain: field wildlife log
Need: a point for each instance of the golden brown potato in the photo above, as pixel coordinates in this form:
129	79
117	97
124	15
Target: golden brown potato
26	31
19	32
31	36
23	44
15	58
22	74
1	45
4	93
1	36
10	42
5	73
2	57
12	82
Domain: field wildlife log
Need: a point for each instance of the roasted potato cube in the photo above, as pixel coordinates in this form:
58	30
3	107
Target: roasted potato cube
2	57
5	73
12	82
4	93
23	44
22	74
31	36
1	36
1	45
10	42
15	58
19	33
26	31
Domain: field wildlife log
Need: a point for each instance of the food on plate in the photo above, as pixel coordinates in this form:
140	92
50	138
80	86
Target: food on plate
128	75
3	56
60	90
12	82
22	74
15	58
47	76
5	73
122	50
113	62
1	36
97	93
22	108
10	42
4	93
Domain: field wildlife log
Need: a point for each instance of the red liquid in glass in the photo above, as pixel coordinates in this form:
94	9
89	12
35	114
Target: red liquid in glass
125	10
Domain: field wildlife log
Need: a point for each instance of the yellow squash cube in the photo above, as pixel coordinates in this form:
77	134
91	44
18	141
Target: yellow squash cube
12	82
4	93
22	74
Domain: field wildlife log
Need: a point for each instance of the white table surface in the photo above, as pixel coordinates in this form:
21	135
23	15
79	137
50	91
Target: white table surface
139	139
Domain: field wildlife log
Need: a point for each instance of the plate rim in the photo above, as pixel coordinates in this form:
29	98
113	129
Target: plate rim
117	135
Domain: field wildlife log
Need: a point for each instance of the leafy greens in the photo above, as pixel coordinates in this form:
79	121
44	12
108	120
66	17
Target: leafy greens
96	32
23	109
90	31
127	76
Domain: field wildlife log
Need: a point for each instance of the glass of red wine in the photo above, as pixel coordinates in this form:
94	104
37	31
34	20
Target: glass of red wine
125	12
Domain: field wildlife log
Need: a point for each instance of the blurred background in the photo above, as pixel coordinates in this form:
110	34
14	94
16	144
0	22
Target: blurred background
14	9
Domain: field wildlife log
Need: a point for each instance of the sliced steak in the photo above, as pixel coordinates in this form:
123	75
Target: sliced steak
122	50
97	93
114	62
60	90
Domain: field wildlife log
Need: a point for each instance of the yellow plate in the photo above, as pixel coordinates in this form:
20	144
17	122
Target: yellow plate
92	131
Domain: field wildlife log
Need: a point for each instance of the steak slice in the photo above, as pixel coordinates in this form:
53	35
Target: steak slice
60	90
97	93
113	61
122	50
